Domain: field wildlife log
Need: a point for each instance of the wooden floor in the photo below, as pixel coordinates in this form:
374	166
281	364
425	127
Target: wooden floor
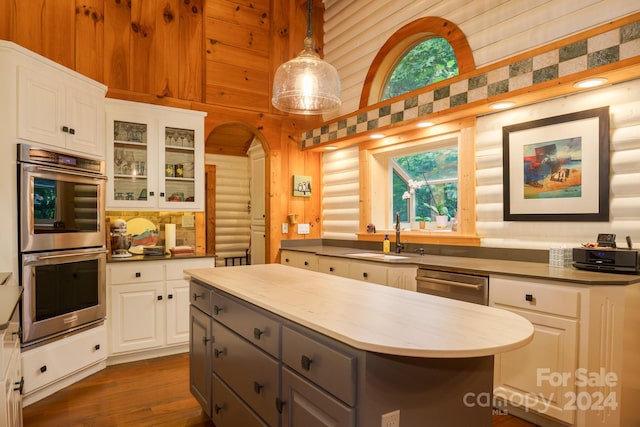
149	393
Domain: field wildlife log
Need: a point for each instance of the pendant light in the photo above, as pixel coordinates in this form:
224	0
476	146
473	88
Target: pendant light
306	84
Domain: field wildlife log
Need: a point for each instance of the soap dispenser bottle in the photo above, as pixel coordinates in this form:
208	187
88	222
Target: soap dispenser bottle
386	245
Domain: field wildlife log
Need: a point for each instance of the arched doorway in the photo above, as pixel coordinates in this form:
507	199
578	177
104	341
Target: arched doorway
235	167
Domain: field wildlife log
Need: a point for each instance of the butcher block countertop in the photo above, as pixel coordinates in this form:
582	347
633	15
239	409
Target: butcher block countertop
372	317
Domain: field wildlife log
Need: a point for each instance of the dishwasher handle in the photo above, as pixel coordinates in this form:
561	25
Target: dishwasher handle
449	283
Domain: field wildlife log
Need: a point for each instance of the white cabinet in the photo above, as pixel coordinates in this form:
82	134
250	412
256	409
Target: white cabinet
11	374
519	375
148	305
306	260
60	109
155	157
258	214
395	276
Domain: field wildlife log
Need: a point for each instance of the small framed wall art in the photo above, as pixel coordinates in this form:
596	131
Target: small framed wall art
302	186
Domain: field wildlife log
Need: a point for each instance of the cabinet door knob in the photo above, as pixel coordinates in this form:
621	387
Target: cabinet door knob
72	131
152	193
365	275
43	369
286	260
96	347
170	296
257	387
217	309
205	340
65	129
159	297
257	333
217	408
196	296
217	353
306	263
305	362
138	274
330	268
279	404
162	194
528	297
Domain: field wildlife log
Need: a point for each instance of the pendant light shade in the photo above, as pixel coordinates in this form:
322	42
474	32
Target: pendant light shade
306	84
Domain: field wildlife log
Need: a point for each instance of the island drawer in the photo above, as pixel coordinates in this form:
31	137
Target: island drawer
251	323
200	296
250	372
328	367
306	403
136	272
229	410
529	295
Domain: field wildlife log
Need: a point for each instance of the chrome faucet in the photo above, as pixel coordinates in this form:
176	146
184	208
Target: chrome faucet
399	245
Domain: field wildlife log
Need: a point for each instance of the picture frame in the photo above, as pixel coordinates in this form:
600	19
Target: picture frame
302	186
557	168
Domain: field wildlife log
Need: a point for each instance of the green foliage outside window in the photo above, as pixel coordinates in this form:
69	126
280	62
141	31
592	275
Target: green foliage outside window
430	61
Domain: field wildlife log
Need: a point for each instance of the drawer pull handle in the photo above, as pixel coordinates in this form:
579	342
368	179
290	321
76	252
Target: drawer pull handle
96	347
196	296
217	353
257	387
528	297
217	408
257	333
305	362
159	297
365	275
43	369
286	260
279	404
217	310
306	263
205	340
138	274
330	268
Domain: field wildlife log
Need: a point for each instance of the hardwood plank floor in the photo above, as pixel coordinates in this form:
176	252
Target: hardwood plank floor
153	392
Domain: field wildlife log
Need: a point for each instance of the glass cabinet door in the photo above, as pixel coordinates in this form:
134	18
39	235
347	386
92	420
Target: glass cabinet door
179	162
131	167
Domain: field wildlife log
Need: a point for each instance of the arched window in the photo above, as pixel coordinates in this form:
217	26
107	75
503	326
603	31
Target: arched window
429	61
434	33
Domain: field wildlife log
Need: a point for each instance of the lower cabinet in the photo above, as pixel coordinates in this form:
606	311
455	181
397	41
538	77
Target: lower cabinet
200	357
393	275
308	405
11	374
148	304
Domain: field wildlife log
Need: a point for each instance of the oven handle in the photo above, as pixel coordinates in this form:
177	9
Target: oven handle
31	168
449	283
100	251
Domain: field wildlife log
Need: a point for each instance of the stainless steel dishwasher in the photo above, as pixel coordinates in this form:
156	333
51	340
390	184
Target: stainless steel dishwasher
472	288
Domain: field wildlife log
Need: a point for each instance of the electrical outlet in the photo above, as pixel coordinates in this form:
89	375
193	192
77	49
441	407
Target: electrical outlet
188	221
304	229
285	228
391	419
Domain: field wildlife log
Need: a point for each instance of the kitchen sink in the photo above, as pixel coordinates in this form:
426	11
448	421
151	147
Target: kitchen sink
374	255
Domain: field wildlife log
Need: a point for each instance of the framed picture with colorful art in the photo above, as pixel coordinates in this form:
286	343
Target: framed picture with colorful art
557	168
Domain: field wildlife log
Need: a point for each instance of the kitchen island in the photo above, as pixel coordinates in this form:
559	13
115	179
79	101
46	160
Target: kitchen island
331	348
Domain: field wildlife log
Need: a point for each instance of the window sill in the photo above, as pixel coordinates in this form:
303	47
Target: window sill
430	236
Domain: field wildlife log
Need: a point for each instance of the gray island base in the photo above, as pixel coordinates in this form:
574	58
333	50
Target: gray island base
278	346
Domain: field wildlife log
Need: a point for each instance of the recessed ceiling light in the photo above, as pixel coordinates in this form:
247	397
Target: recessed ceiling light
502	105
584	84
425	124
376	136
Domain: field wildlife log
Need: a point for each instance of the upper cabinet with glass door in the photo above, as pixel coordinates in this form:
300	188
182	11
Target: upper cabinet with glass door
155	157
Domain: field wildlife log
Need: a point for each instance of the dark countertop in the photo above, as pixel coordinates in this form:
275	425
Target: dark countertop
156	258
10	294
533	270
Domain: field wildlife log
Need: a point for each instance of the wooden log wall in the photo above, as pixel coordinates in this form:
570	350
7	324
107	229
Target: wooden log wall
217	56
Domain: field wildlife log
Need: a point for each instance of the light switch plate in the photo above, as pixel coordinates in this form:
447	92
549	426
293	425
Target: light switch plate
304	229
285	228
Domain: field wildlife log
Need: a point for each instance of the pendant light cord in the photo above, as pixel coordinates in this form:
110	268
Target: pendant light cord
309	7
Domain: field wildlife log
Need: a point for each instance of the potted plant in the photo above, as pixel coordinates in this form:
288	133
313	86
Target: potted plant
442	214
421	221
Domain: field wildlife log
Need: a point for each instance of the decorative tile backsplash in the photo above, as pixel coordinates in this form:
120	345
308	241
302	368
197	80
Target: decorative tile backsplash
184	236
603	49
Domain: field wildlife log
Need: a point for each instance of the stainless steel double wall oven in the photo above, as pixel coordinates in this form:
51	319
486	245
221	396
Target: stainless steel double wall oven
62	243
